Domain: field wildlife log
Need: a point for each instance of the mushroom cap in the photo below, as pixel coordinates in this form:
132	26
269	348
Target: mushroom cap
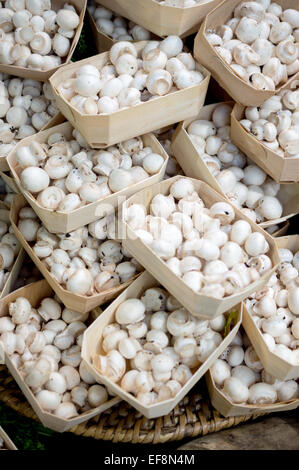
262	393
154	299
181	188
80	282
130	311
246	375
236	390
87	85
67	19
34	179
293	300
220	371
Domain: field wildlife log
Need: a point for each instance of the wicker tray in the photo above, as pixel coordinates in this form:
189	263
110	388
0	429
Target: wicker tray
194	416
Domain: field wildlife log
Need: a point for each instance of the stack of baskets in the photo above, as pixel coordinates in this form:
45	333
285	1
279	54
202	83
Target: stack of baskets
152	123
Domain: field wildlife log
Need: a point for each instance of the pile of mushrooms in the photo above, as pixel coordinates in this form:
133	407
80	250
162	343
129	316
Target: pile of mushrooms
276	123
44	344
26	107
275	309
212	252
117	27
35	36
66	174
239	374
130	78
84	262
245	184
9	247
259	43
154	346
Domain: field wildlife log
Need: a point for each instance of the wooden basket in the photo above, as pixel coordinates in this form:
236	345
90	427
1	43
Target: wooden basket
54	121
162	20
91	346
25	72
64	222
76	302
199	305
273	364
194	166
206	54
35	293
227	408
281	169
9	445
102	130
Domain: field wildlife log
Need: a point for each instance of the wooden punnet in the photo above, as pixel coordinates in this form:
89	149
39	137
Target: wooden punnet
76	302
9	445
275	365
194	166
33	74
281	169
102	130
35	293
227	408
92	346
206	54
162	20
64	222
199	305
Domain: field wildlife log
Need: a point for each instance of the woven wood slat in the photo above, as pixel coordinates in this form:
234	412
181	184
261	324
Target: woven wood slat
192	417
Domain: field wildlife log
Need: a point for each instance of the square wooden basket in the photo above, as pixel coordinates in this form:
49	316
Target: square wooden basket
75	302
35	293
199	305
102	130
281	169
24	72
275	365
64	222
92	346
206	54
194	166
162	20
